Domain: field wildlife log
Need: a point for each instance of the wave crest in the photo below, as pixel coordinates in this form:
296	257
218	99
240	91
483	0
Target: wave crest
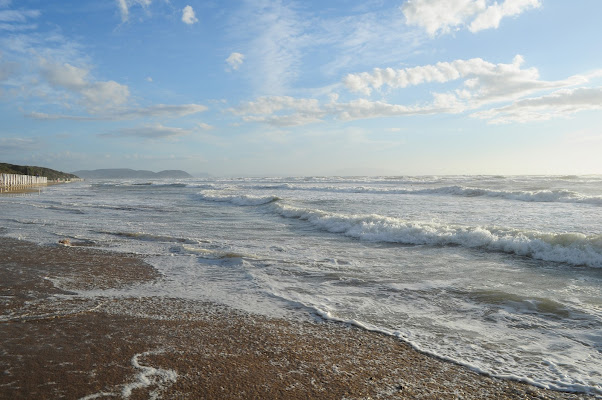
570	248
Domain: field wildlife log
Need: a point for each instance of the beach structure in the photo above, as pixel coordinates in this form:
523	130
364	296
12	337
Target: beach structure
11	182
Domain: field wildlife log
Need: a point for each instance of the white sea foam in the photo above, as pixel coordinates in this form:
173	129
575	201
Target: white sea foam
571	248
461	293
207	186
237	199
214	254
148	376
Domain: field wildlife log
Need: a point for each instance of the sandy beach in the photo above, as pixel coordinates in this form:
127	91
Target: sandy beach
58	344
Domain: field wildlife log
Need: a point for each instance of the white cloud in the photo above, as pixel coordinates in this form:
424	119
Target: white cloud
488	84
124	7
18	15
101	95
159	110
15	20
294	119
204	126
561	103
444	15
484	82
365	109
64	75
270	104
277	38
280	40
284	111
280	111
18	27
53	117
156	131
188	16
162	110
491	17
96	95
440	15
46	66
235	60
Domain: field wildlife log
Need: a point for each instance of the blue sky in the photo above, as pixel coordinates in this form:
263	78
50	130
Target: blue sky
303	88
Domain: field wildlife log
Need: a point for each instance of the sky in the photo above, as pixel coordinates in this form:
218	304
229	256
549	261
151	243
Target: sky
294	88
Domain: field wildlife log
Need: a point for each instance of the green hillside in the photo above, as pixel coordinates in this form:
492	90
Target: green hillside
51	174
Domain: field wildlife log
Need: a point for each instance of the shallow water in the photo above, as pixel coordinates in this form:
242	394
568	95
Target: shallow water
503	274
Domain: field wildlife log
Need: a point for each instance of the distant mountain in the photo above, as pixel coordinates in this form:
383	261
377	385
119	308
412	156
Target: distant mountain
173	174
126	173
51	174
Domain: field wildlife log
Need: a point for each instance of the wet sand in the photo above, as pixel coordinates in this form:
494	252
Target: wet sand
55	343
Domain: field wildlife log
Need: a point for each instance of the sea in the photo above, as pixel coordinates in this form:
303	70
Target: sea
502	274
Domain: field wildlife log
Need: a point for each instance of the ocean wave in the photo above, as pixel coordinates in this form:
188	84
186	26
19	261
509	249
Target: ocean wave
549	196
155	184
203	186
67	210
571	248
237	199
150	237
137	184
214	254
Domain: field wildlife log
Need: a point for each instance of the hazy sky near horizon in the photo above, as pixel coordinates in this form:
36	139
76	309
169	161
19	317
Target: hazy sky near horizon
303	87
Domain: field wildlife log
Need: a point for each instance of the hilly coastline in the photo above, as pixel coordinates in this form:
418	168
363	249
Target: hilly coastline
126	173
51	174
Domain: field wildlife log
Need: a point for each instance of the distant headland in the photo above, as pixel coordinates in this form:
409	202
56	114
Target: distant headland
126	173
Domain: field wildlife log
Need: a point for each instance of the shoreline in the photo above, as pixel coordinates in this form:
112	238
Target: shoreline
56	344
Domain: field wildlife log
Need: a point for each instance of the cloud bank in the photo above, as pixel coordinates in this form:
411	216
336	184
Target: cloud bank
482	83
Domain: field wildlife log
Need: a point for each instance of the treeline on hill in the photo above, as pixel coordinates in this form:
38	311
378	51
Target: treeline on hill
51	174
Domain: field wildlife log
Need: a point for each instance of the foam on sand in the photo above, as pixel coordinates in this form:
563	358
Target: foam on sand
147	377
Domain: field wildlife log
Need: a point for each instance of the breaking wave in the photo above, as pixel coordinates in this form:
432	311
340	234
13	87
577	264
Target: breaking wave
560	196
571	248
239	200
